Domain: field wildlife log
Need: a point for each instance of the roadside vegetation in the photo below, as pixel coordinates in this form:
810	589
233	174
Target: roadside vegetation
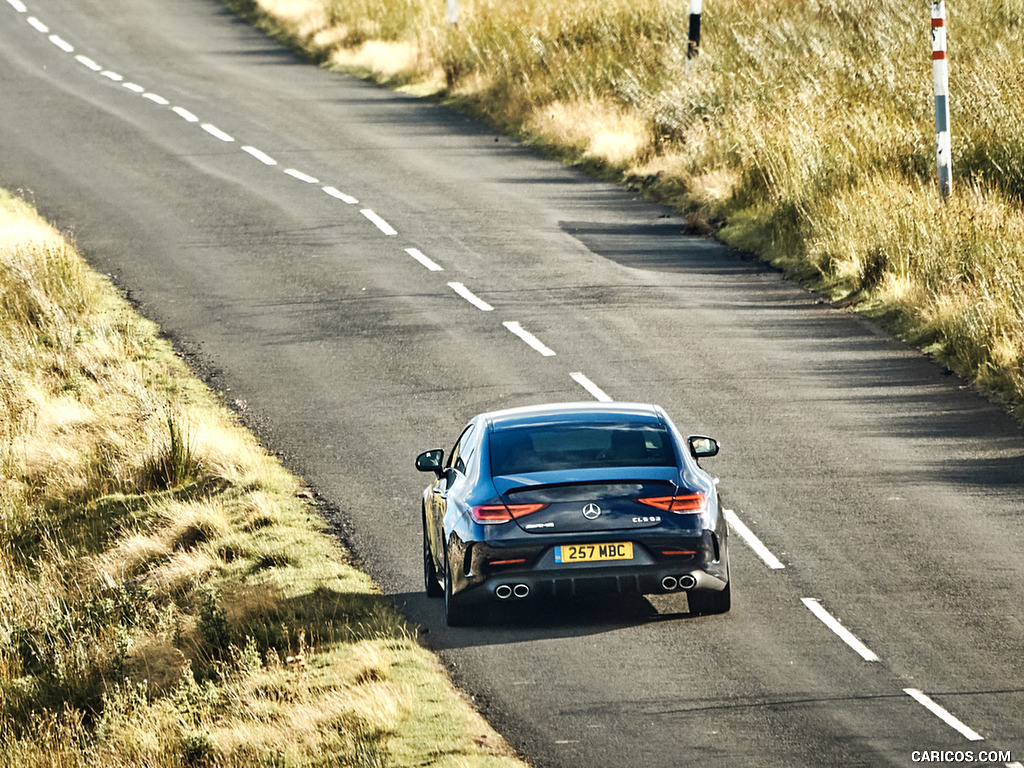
169	595
804	133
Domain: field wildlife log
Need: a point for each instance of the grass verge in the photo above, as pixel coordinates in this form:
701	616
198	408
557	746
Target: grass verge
804	132
170	596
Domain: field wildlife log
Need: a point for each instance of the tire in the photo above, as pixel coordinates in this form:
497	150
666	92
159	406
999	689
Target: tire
431	582
456	612
710	603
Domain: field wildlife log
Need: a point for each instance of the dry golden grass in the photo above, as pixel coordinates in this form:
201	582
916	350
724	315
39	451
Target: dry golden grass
387	58
170	597
598	130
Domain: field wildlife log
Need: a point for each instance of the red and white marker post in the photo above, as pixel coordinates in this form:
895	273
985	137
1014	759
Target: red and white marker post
940	74
693	45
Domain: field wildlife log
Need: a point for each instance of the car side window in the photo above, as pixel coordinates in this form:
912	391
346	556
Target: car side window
461	451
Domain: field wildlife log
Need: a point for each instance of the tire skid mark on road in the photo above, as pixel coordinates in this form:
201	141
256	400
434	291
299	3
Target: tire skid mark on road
595	391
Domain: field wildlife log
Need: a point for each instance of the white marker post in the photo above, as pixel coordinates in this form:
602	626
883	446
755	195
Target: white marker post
453	13
940	74
693	46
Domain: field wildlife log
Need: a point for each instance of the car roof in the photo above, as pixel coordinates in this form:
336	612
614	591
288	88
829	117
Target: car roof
572	413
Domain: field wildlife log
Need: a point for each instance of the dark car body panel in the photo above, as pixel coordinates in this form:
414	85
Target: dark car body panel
613	501
573	505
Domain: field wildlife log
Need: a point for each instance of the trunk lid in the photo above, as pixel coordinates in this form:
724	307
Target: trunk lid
591	501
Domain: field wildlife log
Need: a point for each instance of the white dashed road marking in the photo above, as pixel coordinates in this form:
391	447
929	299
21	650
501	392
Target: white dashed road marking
530	339
88	63
427	262
844	634
943	714
63	44
213	130
263	157
378	222
301	176
752	541
334	192
184	113
595	391
469	296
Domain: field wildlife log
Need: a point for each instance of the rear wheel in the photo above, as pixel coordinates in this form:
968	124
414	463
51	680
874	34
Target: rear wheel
710	603
431	582
456	612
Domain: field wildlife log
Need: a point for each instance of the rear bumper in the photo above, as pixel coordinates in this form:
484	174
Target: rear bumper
612	582
706	570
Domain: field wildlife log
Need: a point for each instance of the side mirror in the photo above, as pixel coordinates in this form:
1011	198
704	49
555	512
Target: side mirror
431	461
702	447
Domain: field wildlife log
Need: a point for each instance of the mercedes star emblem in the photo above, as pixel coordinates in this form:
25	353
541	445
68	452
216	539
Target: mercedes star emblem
591	511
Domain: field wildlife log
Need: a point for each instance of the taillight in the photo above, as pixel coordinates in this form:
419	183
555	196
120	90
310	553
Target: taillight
683	502
490	513
522	510
503	513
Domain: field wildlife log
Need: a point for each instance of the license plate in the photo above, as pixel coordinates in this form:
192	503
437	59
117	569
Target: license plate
589	553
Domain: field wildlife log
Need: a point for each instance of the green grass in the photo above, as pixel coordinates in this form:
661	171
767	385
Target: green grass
804	132
170	594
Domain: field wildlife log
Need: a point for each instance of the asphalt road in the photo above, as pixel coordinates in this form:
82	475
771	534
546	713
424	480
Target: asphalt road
298	234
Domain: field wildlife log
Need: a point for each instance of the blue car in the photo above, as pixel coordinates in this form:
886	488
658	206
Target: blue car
572	499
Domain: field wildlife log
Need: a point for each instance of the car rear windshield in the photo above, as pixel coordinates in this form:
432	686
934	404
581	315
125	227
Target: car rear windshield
550	447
